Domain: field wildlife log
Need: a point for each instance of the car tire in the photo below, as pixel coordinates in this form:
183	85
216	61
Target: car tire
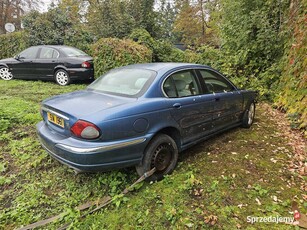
249	115
161	153
5	73
62	77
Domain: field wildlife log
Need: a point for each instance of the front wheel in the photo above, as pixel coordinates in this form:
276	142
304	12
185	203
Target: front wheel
62	77
249	115
5	73
162	154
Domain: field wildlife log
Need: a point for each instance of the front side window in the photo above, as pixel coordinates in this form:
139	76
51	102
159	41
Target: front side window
215	83
48	53
29	53
181	84
125	82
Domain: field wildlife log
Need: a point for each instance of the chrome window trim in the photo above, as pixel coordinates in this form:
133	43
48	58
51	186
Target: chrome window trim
176	71
222	76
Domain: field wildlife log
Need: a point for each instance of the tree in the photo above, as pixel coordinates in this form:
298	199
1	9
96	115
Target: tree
12	11
55	27
193	22
117	18
113	17
166	15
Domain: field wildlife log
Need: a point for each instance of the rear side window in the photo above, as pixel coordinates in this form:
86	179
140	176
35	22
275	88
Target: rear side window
48	53
181	84
215	83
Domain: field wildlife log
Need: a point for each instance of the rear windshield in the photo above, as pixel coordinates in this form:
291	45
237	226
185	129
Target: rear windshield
125	82
73	52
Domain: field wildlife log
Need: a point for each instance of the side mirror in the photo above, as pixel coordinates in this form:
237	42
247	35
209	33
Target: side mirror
17	57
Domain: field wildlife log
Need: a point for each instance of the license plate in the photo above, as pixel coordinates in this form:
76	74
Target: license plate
55	119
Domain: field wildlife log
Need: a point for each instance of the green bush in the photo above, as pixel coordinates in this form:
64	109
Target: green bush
166	52
142	37
192	57
209	56
11	44
110	53
163	51
292	84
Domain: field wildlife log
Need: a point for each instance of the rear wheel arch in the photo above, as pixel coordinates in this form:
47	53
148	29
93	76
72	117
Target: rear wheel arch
58	68
164	147
173	133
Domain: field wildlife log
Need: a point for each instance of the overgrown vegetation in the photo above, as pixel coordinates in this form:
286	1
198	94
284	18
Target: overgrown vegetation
218	183
11	44
110	53
292	94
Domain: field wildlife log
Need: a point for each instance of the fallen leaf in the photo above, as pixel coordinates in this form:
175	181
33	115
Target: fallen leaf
275	198
211	219
258	201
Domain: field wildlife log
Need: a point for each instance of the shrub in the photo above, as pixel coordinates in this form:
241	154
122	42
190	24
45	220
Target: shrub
110	53
142	37
192	57
209	56
292	88
163	51
11	44
166	52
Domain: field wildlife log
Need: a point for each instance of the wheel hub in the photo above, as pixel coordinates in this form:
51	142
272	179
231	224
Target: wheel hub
162	158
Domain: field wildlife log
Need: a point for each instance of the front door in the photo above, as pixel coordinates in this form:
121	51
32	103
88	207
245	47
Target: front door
189	108
227	99
25	66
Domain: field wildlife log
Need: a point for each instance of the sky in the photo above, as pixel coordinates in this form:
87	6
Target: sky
46	4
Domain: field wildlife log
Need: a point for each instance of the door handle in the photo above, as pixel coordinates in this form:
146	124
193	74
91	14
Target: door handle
217	99
177	105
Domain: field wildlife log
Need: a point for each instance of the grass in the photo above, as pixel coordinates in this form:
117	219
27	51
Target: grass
217	183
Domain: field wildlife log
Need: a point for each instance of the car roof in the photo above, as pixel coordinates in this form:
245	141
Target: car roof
157	66
54	46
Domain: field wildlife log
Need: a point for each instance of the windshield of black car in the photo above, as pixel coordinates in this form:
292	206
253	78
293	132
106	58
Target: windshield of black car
125	82
73	52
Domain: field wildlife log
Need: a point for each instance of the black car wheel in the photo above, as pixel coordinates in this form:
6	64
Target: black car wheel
162	154
62	77
248	117
5	73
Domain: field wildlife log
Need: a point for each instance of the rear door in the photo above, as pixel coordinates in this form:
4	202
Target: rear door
189	107
228	101
46	62
25	67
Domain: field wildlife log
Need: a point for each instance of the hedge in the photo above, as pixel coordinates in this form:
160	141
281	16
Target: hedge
11	44
110	53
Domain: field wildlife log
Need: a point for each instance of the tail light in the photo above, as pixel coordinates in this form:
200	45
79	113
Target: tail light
86	64
85	129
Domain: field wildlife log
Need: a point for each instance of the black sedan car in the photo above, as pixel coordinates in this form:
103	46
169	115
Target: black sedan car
49	62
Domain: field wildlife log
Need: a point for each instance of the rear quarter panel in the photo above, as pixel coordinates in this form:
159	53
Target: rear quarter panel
248	97
145	116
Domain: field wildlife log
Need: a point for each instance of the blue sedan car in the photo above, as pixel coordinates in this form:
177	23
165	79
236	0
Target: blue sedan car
142	115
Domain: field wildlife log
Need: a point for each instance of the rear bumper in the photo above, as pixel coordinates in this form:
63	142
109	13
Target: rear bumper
91	156
81	74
